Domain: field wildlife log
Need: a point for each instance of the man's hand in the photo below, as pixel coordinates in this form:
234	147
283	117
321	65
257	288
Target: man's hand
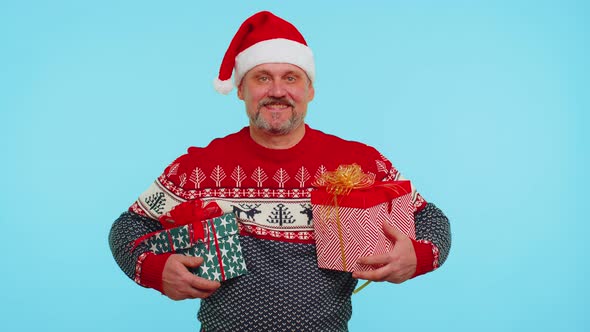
396	266
178	283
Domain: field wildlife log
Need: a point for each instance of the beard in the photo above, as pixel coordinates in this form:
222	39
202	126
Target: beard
294	121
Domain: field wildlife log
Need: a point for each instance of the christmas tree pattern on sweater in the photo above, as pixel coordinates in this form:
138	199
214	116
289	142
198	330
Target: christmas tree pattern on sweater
268	190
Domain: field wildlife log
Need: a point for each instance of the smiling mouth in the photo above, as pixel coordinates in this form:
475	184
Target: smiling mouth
277	107
276	104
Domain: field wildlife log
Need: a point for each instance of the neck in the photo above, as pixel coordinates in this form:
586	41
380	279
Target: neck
277	142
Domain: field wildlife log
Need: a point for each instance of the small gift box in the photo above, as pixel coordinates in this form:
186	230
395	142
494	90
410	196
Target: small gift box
348	219
215	239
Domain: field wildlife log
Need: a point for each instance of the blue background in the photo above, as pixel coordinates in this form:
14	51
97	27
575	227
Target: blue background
483	104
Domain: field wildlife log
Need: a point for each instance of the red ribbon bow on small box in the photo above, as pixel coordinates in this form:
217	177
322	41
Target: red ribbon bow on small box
186	213
189	212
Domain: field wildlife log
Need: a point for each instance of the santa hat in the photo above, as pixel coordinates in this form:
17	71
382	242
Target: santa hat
263	38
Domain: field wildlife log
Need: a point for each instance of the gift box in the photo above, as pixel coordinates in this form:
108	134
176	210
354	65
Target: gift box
349	225
214	239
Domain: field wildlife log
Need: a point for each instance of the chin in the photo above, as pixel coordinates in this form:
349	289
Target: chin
278	130
274	127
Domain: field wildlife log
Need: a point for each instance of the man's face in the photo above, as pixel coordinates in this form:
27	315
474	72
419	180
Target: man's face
276	97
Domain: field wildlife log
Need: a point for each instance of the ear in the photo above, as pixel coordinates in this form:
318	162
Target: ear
311	92
240	92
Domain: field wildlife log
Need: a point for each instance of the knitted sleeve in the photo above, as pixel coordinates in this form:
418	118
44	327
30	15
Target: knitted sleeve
433	226
124	231
433	238
139	263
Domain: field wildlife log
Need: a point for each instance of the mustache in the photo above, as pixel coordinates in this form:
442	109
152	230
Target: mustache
272	100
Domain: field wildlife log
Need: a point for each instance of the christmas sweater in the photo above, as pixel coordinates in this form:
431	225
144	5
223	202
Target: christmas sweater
269	192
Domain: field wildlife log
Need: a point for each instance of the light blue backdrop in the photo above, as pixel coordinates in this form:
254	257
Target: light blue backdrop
483	104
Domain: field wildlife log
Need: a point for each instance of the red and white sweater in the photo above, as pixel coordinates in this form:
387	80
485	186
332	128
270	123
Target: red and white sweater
269	190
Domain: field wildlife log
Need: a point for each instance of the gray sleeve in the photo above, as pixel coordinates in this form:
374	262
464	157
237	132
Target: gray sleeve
125	230
433	225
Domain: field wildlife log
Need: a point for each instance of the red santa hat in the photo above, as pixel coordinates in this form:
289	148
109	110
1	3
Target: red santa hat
263	38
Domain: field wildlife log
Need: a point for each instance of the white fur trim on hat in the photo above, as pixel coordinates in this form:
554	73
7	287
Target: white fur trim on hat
278	50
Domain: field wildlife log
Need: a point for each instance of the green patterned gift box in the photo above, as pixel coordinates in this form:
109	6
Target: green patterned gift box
216	240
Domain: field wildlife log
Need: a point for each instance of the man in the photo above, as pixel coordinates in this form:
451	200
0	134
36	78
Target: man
271	165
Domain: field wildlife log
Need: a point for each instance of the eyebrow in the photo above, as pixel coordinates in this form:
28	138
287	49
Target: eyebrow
266	72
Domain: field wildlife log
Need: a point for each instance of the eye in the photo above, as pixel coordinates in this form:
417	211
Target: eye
291	78
263	79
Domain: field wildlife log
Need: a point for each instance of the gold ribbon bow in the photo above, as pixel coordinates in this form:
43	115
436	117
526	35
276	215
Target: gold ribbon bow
344	179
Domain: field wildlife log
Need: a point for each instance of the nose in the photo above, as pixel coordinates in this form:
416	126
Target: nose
277	89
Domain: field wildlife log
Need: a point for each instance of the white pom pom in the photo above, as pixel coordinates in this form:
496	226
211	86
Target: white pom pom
223	87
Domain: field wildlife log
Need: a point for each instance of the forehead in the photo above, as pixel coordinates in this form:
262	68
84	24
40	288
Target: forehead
276	69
